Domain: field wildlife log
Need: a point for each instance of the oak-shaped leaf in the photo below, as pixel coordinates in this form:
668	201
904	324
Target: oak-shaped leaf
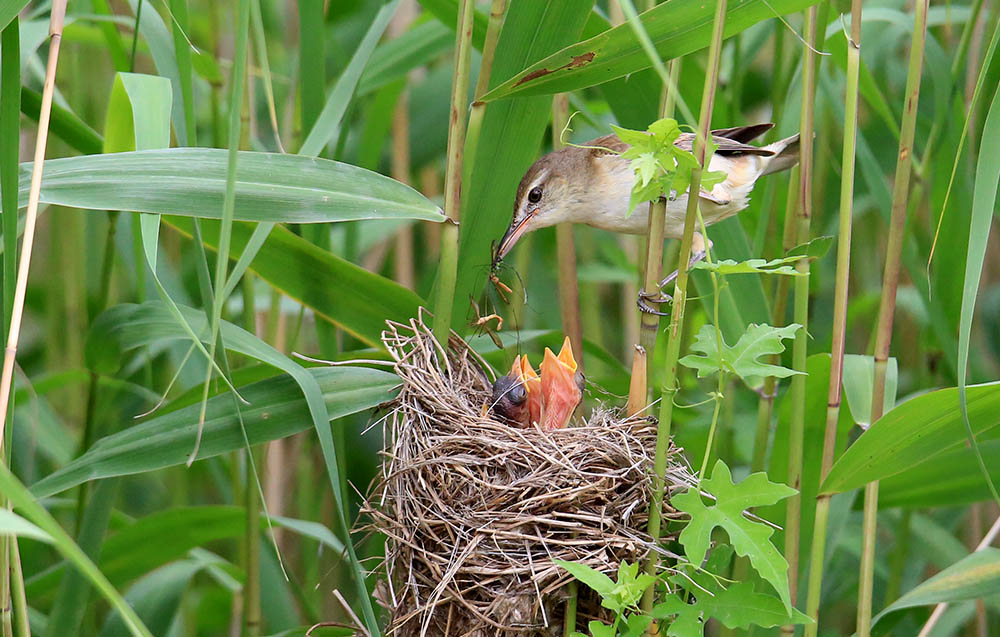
738	606
750	538
754	266
743	358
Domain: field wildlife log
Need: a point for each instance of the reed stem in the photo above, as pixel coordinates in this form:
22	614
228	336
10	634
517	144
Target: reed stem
675	329
448	273
818	549
801	307
887	308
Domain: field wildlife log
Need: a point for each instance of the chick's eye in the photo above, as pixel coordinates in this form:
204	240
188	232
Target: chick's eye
516	394
535	195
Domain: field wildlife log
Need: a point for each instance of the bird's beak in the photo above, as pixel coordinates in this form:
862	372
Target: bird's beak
559	387
514	232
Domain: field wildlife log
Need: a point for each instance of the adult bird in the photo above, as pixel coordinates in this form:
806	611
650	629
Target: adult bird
591	184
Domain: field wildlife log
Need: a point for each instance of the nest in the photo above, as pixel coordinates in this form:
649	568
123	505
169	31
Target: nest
475	511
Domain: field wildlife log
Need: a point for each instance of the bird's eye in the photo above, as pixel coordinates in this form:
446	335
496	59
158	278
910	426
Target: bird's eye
516	394
535	195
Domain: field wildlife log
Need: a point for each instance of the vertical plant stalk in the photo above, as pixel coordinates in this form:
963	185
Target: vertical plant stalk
675	329
478	111
400	166
649	324
801	307
887	307
448	273
31	215
10	136
569	286
834	393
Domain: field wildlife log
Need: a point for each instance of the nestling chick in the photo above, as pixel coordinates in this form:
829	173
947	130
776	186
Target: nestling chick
562	387
517	397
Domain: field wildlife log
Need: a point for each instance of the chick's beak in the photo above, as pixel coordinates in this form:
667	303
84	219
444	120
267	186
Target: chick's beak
561	387
514	232
532	385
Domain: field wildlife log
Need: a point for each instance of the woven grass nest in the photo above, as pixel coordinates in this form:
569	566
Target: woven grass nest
475	511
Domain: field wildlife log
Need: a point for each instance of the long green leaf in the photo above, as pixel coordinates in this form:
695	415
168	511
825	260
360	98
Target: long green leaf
191	182
164	536
953	479
277	410
984	200
9	10
341	292
328	123
27	503
913	433
14	524
976	576
394	58
676	28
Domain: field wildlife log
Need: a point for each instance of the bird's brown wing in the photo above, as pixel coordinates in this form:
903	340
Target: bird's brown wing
606	145
743	134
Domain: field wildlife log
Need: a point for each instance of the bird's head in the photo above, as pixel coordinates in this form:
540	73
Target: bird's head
544	198
517	397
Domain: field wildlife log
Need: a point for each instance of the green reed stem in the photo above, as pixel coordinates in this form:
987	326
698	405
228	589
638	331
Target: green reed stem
675	329
649	324
818	549
887	308
448	273
800	297
478	110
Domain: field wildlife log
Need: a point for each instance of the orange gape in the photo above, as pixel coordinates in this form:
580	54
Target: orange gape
523	371
562	387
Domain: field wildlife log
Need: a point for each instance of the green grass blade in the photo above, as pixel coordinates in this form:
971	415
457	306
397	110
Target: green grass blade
977	576
64	124
312	60
913	433
10	135
161	47
328	122
191	182
74	591
341	292
278	410
9	10
182	56
983	202
395	58
112	37
34	512
676	28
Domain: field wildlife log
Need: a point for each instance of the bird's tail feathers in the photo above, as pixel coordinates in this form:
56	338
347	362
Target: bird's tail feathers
786	155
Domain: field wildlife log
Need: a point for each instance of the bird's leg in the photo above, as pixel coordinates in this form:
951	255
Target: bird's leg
645	298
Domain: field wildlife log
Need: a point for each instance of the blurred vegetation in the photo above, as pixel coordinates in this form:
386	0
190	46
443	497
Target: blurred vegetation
367	85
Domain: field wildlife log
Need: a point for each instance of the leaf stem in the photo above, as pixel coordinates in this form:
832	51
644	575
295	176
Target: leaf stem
890	281
448	273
